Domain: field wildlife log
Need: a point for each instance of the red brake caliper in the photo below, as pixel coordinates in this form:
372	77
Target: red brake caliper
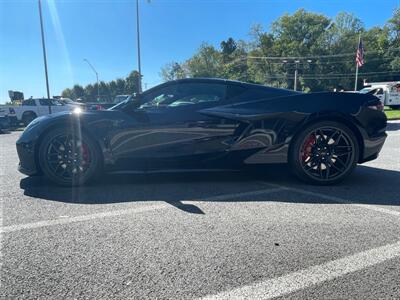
307	147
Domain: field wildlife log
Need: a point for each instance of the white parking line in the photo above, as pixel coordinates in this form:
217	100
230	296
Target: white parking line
68	220
318	274
336	199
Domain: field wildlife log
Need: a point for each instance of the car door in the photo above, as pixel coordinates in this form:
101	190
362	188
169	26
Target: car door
29	105
173	132
55	106
43	106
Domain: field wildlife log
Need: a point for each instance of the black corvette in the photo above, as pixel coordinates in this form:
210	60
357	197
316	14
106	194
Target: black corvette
208	124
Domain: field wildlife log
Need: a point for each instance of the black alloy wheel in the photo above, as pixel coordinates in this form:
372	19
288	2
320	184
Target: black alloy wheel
68	158
325	153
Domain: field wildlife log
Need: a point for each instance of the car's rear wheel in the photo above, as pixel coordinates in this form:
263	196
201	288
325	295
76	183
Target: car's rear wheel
69	158
324	153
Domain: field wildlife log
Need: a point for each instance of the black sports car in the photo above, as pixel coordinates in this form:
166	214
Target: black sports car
208	123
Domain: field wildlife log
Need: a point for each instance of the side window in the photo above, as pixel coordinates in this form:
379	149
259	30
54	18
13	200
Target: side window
29	102
185	94
51	102
55	102
156	98
44	102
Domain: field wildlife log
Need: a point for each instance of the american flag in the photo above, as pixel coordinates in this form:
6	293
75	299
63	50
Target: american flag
360	54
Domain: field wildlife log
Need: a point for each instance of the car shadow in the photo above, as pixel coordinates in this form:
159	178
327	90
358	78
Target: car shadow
367	185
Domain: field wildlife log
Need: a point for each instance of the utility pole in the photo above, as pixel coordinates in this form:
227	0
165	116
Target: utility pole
44	54
138	47
296	70
97	78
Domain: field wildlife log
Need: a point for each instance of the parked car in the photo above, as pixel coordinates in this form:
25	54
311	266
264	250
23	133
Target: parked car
209	124
74	104
5	123
30	109
387	92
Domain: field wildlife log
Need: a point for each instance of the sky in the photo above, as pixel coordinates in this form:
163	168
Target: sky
104	32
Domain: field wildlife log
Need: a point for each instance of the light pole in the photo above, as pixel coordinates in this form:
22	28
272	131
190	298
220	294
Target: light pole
138	47
44	54
296	70
97	78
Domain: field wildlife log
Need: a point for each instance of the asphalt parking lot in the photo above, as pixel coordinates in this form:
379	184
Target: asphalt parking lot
245	235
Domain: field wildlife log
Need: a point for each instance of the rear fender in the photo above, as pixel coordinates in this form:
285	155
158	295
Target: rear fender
303	104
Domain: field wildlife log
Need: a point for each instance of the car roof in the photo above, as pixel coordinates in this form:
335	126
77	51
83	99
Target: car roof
224	81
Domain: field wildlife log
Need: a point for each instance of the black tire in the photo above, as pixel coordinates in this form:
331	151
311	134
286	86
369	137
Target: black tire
73	162
324	153
394	107
28	117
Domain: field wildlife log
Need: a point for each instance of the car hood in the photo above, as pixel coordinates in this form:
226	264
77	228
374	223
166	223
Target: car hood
69	118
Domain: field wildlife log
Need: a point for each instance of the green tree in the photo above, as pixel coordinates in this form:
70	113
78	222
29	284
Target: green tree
173	71
68	93
107	90
120	86
112	88
104	92
78	91
393	26
205	63
90	93
228	47
132	83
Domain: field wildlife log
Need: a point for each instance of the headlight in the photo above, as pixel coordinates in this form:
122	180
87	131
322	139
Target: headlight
77	110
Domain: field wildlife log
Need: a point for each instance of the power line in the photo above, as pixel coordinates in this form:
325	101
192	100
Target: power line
336	62
365	73
343	76
316	56
244	59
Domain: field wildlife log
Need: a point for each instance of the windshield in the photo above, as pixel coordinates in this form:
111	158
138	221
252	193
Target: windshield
122	103
119	99
365	90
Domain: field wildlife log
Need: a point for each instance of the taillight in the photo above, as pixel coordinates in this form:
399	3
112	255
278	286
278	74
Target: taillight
379	106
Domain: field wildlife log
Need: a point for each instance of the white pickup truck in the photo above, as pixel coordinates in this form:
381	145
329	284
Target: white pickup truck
33	108
387	92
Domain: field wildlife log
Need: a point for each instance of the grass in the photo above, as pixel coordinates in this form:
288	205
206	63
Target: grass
392	114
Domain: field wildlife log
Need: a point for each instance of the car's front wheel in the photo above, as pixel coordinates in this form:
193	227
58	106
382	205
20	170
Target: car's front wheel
69	158
324	153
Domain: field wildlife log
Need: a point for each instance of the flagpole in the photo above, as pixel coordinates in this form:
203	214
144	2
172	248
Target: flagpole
355	83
